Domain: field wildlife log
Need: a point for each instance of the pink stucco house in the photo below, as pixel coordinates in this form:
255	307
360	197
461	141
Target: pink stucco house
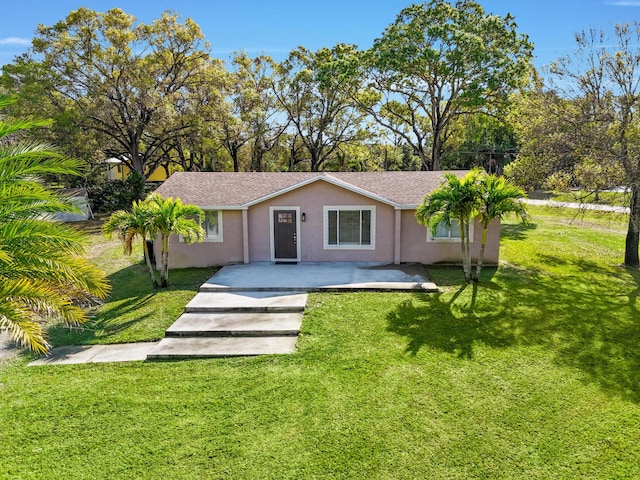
315	217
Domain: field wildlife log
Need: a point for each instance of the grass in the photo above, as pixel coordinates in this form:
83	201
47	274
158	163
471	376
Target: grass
533	374
134	311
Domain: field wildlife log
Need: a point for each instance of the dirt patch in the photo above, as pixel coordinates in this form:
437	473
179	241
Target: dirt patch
8	348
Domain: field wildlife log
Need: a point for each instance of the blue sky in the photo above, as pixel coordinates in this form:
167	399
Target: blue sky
277	26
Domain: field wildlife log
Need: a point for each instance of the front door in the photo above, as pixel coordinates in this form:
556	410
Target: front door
285	235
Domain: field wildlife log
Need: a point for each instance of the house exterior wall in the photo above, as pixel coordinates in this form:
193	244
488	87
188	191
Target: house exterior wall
311	200
207	254
119	171
415	248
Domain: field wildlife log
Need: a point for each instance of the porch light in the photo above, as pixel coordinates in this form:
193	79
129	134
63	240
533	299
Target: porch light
303	217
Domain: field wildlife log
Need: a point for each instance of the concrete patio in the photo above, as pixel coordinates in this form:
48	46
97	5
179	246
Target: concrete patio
321	276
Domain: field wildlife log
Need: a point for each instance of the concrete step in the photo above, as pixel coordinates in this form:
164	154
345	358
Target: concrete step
209	347
252	301
212	287
235	325
423	287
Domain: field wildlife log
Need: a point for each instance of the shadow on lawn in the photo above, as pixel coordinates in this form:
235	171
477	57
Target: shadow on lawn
516	231
104	324
130	288
453	275
590	321
448	324
132	303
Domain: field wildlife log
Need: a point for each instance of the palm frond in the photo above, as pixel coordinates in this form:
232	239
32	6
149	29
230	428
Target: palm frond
42	273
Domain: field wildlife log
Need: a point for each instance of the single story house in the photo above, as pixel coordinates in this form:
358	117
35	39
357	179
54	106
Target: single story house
315	217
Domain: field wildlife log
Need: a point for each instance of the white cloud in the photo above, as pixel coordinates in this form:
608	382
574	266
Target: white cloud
625	3
15	41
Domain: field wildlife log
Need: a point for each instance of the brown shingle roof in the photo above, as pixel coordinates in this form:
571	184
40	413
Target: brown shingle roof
229	189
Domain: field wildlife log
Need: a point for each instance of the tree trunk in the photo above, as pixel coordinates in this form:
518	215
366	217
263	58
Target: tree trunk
481	254
256	158
138	162
633	232
315	161
147	260
466	255
436	149
435	162
425	161
164	274
234	157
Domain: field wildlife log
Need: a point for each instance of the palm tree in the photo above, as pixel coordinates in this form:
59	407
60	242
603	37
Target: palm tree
131	225
172	217
457	198
497	199
42	274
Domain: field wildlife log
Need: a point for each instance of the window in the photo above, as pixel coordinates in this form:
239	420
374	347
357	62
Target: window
285	217
349	228
446	233
212	225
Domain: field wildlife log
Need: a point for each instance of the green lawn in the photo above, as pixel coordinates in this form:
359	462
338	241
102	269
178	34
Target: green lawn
532	375
134	311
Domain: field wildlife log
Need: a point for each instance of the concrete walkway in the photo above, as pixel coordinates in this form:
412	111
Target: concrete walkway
234	323
577	206
121	352
252	309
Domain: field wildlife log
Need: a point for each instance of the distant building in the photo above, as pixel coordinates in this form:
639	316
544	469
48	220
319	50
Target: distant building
117	170
79	199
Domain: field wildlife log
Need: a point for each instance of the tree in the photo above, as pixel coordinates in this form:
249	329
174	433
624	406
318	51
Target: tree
547	126
608	81
497	198
319	102
153	217
200	112
593	99
249	115
42	273
562	143
480	141
127	81
439	61
456	199
262	114
29	83
172	217
131	225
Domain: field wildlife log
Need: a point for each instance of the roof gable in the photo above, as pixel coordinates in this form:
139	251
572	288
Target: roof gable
329	179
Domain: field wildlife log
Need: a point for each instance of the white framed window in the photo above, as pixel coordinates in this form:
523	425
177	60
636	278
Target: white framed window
349	227
450	233
212	225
